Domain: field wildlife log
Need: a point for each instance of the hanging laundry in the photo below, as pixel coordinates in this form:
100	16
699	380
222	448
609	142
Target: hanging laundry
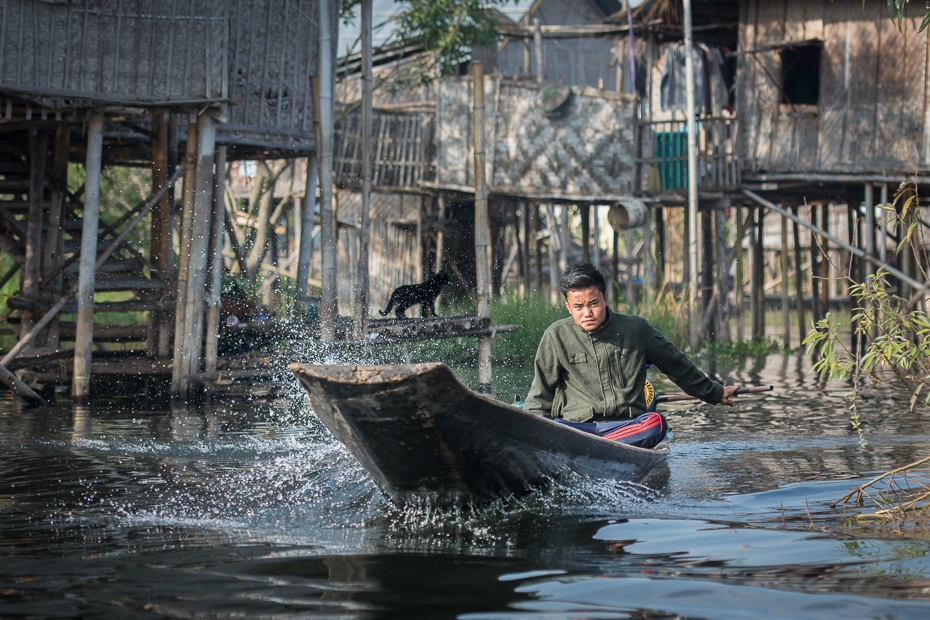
710	88
715	71
673	92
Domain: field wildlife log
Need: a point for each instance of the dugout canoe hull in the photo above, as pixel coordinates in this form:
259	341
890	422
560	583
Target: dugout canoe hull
420	434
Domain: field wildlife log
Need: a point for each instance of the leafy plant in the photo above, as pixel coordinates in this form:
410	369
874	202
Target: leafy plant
897	355
896	12
446	30
898	334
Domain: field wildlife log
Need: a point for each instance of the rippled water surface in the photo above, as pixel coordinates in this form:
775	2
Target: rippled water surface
249	508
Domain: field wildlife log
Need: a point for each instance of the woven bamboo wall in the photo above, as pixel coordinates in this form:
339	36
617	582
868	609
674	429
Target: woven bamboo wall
585	153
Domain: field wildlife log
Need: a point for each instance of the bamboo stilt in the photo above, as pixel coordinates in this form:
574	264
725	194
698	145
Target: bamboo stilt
54	235
758	278
785	317
83	339
799	280
329	303
723	277
362	285
306	230
160	236
184	256
214	298
32	264
192	336
738	292
482	231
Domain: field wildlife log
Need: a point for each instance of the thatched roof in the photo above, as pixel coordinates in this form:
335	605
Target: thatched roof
671	13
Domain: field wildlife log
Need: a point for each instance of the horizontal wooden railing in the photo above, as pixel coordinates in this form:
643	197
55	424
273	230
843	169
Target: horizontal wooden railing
402	145
662	155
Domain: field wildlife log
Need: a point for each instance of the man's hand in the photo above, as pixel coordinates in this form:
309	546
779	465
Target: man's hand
729	394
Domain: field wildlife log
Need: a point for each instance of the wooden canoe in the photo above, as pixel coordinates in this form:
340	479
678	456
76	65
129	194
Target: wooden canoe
420	433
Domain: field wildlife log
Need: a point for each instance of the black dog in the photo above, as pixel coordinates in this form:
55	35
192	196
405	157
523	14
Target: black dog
410	295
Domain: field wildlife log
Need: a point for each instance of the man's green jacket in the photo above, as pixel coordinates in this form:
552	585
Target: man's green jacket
601	374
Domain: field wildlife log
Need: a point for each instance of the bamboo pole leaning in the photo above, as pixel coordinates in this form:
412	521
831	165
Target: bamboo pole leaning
854	250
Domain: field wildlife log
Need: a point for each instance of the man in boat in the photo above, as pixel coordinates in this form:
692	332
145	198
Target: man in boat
590	368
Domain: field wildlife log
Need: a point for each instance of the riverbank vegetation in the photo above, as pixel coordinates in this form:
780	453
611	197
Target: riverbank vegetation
890	347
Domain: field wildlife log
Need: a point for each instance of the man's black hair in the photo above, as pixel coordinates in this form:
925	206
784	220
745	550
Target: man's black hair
578	277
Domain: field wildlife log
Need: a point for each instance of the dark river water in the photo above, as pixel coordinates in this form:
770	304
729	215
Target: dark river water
248	508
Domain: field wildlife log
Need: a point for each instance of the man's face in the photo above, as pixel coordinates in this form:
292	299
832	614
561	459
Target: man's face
588	307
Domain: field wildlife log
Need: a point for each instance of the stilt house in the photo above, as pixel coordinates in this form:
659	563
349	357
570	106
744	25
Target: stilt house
104	83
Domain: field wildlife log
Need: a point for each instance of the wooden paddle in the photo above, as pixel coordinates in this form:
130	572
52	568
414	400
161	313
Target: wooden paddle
753	389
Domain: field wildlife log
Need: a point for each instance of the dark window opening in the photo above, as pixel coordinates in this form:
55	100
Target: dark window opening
801	75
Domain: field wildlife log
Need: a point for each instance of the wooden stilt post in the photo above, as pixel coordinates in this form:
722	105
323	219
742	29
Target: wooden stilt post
84	334
554	239
362	291
649	271
870	243
825	259
615	269
159	247
707	257
522	236
660	244
192	336
178	370
630	270
584	211
440	234
596	245
815	270
785	316
758	277
854	274
799	280
306	230
32	264
723	275
565	239
214	298
54	234
329	308
738	288
538	50
482	231
693	243
165	319
537	247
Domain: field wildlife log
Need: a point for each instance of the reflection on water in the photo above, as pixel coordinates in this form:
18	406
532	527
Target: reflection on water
249	508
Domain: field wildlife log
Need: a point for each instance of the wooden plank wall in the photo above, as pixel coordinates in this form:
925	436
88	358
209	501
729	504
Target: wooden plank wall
394	249
871	104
